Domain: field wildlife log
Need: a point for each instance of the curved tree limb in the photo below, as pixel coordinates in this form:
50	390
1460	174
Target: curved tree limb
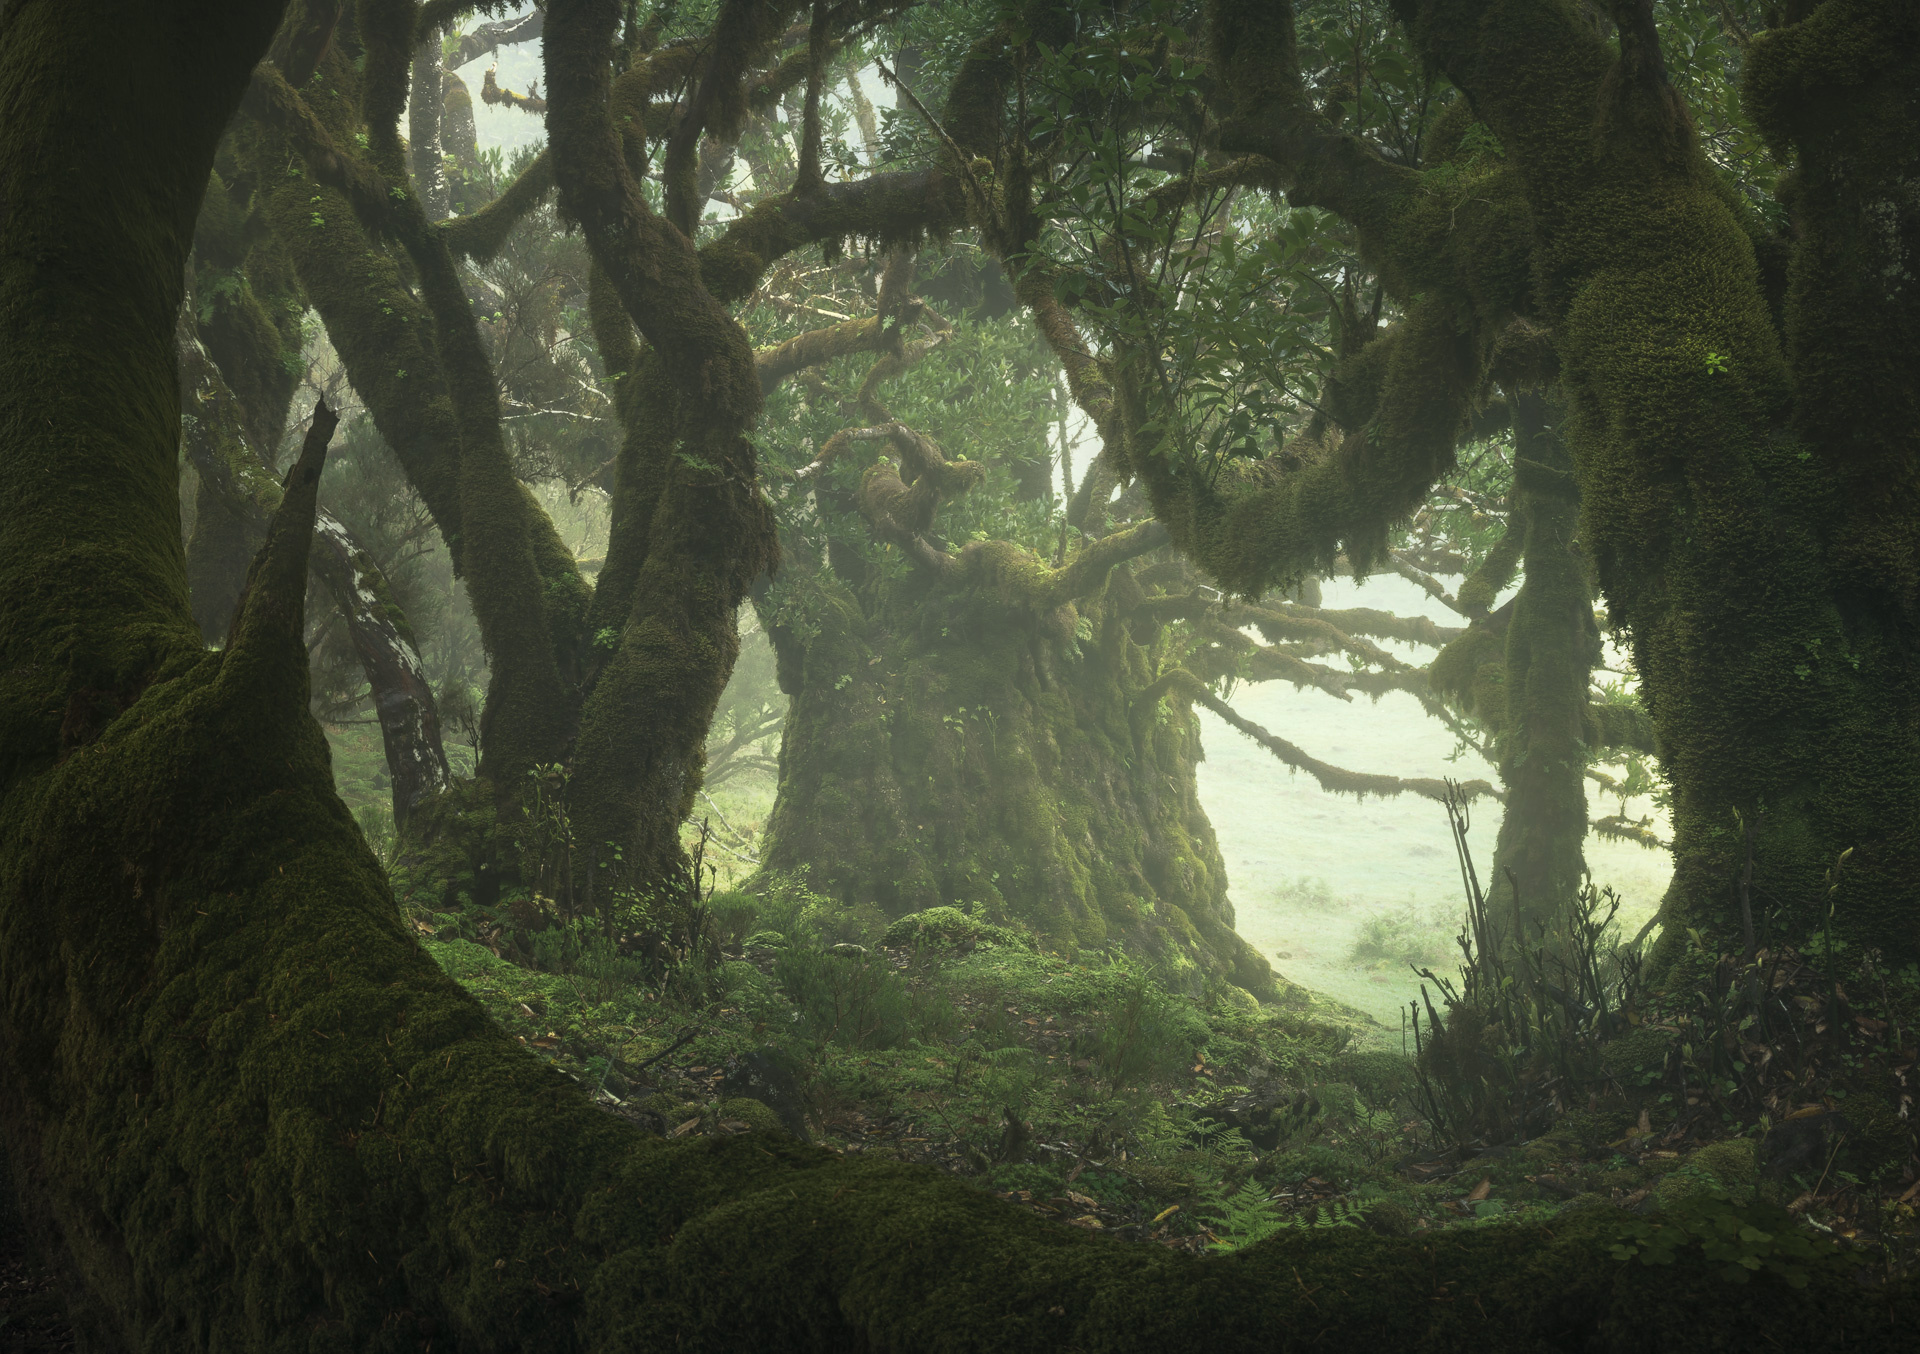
488	37
1332	778
710	532
479	235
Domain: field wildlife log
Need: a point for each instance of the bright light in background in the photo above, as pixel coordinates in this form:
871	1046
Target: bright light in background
517	66
1380	857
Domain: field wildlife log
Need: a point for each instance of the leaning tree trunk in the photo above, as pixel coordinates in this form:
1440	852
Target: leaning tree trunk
237	498
246	1108
1023	765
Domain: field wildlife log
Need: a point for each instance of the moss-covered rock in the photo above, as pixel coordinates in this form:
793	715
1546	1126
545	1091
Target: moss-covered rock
1730	1164
950	927
756	1116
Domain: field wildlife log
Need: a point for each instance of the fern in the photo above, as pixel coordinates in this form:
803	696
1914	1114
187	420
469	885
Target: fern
1245	1217
1239	1219
1332	1213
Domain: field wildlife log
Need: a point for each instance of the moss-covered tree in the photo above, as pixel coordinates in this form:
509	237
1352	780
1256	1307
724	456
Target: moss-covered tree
992	695
248	1113
1564	225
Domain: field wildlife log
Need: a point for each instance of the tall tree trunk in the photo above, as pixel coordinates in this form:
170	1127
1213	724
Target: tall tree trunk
1552	646
1523	670
1770	608
709	531
966	754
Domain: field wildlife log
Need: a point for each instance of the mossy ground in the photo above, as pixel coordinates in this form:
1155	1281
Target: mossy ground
1079	1088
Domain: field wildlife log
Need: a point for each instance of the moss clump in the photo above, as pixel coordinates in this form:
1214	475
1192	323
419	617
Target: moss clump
951	928
1637	1057
1731	1164
1380	1078
756	1116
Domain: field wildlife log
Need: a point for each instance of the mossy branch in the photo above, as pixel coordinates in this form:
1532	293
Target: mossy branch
741	34
892	208
1081	576
1086	378
1254	526
478	42
1620	828
1256	52
1334	779
1265	663
1399	563
1365	621
1281	626
1621	726
839	442
303	37
814	347
271	616
808	173
492	92
479	235
1485	583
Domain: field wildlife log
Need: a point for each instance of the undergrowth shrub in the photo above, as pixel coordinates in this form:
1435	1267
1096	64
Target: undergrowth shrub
1401	936
1146	1033
858	1000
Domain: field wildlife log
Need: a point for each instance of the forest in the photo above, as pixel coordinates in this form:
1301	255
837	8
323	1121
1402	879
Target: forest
686	674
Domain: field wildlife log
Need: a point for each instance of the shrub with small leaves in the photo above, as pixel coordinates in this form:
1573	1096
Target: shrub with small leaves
1740	1241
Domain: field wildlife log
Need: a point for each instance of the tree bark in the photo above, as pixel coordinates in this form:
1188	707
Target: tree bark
1523	671
709	531
402	695
237	500
1768	597
993	757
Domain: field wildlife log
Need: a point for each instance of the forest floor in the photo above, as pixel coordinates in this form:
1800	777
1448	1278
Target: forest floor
1082	1089
1778	1094
32	1310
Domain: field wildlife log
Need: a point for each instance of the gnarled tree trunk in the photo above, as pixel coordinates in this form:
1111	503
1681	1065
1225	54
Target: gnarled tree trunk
956	750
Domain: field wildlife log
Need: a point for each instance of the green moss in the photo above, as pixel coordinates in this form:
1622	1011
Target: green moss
950	927
954	751
753	1114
